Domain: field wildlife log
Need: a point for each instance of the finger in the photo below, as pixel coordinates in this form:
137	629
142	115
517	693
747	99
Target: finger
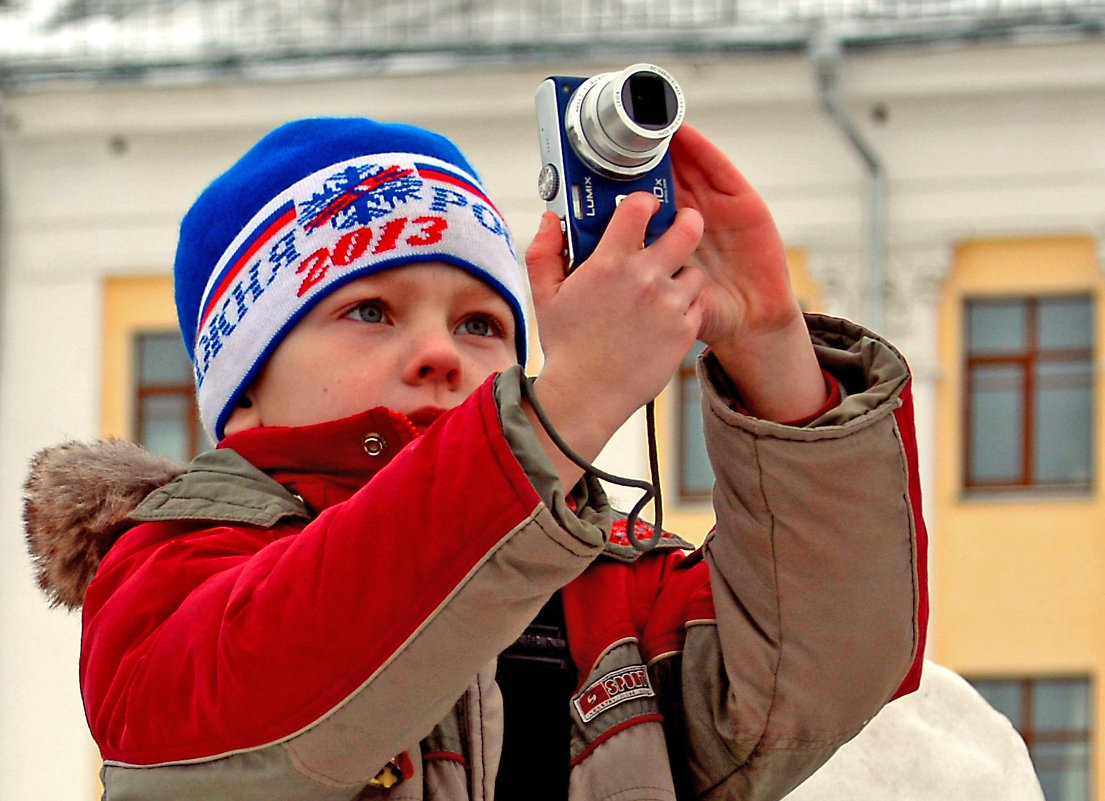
625	232
708	181
545	257
691	281
677	244
697	161
687	286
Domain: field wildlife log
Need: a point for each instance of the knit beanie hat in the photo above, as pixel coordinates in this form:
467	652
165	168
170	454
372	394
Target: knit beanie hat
315	204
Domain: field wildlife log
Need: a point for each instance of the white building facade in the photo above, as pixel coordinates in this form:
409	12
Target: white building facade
996	141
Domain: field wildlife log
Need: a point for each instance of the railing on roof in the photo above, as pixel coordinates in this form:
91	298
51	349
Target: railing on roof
104	38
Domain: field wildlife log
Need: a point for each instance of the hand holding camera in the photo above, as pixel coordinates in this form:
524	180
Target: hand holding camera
645	279
607	178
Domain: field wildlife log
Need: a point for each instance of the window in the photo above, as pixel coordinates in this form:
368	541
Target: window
1029	387
166	420
696	477
1053	716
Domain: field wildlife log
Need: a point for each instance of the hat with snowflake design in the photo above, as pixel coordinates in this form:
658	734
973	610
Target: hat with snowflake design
314	205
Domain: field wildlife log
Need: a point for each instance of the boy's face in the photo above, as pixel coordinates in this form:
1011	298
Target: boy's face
418	339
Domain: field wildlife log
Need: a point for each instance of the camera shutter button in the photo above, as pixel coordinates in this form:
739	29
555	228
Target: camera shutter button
548	182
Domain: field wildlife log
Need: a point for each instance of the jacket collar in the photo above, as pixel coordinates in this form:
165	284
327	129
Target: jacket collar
325	464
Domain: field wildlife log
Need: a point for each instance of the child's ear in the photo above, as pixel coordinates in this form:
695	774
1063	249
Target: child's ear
244	417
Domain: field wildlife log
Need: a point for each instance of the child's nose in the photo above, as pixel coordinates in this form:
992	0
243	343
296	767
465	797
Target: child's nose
434	357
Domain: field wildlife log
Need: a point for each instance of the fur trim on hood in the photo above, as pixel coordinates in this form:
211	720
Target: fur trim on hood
75	505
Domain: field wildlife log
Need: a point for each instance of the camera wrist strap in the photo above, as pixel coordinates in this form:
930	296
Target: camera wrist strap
650	490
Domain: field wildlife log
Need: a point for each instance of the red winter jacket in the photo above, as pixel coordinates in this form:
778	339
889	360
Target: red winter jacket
295	611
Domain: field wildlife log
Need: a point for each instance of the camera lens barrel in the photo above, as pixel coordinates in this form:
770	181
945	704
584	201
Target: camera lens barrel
620	123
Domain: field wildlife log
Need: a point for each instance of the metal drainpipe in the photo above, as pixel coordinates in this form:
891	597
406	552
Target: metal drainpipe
826	54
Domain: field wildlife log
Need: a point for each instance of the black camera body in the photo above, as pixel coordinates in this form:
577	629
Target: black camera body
601	139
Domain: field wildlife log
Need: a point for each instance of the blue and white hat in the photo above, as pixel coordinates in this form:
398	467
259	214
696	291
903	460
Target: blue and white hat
312	206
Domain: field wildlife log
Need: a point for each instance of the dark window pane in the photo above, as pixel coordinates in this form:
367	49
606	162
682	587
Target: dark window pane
1063	412
1065	323
997	327
697	476
162	361
1006	697
164	425
1061	704
997	438
1064	785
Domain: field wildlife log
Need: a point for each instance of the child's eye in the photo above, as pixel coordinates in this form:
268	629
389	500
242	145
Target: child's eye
371	311
479	326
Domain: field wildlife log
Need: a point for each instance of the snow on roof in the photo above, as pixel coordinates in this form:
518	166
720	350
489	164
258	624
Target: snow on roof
76	35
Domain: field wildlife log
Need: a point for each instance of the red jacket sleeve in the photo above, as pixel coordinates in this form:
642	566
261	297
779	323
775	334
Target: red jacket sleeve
203	640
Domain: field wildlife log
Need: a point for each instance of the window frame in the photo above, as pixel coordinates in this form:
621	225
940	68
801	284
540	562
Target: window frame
1027	357
195	438
1033	737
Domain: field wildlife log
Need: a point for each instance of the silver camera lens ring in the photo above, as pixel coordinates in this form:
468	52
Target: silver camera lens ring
620	141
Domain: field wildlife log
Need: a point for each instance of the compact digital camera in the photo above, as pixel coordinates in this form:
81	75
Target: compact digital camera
602	138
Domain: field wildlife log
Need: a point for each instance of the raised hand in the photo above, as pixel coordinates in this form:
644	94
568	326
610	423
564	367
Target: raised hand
750	317
615	330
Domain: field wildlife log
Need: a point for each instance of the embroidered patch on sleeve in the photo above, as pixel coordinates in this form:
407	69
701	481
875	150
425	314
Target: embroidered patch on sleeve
612	689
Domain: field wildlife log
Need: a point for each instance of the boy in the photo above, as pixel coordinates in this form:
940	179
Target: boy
314	609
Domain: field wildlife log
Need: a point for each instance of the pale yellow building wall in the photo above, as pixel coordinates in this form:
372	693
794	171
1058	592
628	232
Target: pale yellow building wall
1016	579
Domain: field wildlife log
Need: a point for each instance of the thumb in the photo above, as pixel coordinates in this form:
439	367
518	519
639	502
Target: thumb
545	257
